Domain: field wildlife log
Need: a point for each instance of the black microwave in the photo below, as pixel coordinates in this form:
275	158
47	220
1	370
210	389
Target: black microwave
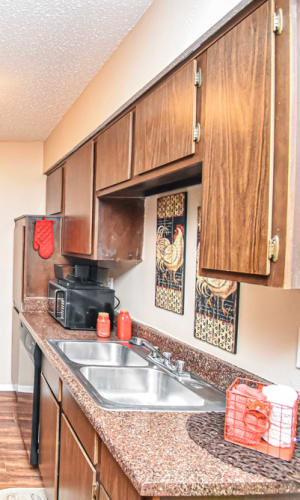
76	305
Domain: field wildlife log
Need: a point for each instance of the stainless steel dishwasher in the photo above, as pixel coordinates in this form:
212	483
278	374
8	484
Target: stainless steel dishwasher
28	393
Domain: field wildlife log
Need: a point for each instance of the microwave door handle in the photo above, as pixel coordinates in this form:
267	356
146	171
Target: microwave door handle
57	292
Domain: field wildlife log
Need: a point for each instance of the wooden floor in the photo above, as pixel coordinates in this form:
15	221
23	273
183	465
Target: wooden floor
15	471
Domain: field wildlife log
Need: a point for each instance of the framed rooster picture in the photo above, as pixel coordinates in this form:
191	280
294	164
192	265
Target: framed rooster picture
216	308
170	252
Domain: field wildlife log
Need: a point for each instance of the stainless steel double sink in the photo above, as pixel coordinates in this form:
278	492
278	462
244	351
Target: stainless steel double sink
120	376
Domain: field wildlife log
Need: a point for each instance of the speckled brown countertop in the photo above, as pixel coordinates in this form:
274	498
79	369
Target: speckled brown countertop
153	449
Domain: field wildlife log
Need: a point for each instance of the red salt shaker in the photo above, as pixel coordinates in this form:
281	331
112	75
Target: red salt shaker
103	325
124	326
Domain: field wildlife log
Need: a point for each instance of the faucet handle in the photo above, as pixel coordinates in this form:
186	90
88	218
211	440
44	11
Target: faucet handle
155	352
136	341
180	365
167	359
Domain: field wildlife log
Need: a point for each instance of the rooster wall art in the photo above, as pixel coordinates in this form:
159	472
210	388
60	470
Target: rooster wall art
216	308
170	252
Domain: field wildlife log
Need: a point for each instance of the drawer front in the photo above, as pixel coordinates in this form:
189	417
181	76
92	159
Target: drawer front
84	430
52	378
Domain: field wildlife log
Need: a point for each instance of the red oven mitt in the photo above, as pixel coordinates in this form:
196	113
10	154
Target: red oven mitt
43	238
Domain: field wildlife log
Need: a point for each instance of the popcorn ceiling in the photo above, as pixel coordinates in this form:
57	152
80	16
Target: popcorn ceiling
49	51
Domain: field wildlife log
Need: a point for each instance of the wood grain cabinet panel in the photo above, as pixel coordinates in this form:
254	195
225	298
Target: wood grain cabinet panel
19	263
77	475
80	424
78	201
164	121
16	327
115	482
54	192
103	494
52	378
238	158
49	439
114	153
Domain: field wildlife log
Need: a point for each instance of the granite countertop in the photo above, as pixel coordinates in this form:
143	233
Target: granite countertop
153	449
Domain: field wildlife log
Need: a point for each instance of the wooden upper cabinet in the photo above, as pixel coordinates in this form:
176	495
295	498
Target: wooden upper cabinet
54	192
114	153
78	201
238	159
165	121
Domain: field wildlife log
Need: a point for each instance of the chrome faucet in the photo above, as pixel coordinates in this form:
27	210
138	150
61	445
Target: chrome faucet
162	359
167	361
142	342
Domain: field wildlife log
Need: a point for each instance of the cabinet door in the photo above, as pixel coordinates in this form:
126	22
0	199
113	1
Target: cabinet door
19	259
164	121
16	326
113	479
103	494
49	439
114	153
78	202
54	191
77	475
238	158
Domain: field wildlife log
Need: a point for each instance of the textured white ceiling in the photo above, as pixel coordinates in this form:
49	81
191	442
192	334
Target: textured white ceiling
49	51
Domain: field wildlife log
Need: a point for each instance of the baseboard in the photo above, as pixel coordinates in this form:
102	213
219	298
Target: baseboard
11	387
7	387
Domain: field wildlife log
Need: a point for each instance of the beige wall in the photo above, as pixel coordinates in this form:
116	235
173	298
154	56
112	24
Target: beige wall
268	318
167	28
22	191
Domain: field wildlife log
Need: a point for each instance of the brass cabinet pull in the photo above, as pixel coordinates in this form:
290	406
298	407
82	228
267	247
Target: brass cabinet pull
96	490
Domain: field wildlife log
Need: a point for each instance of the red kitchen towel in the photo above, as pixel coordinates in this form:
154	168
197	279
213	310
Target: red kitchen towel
43	238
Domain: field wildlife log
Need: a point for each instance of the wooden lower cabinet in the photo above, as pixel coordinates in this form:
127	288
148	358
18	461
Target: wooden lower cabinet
16	326
49	440
80	424
80	477
116	484
103	495
77	475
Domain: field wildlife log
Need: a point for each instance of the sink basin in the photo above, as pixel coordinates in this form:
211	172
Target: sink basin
119	377
148	388
100	353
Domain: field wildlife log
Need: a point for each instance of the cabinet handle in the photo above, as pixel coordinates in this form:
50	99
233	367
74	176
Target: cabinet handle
196	133
96	489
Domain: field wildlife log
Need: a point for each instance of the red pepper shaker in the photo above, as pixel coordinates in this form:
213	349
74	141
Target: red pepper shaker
124	327
103	325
